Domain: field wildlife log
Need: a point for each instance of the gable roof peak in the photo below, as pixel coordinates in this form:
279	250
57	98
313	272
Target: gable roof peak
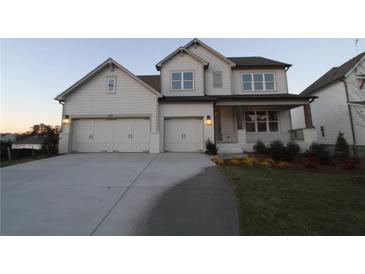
92	73
185	50
213	51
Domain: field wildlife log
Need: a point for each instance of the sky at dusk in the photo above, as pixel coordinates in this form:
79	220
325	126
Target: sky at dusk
34	71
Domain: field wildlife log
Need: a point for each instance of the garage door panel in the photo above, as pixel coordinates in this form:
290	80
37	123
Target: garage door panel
183	135
121	135
140	135
82	135
102	136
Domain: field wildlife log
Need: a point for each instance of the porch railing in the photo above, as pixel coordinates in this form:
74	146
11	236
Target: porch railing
296	134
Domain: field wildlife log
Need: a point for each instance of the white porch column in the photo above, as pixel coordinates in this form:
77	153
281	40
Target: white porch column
242	137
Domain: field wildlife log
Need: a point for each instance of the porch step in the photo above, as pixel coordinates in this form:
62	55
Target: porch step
228	148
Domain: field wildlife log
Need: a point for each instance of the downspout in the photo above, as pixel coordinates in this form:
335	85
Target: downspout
350	116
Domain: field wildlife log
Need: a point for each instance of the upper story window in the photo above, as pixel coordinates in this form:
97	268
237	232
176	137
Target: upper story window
182	80
217	79
258	81
111	84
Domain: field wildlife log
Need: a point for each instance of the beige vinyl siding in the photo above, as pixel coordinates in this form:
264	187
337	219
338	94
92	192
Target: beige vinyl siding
280	81
215	64
182	63
131	98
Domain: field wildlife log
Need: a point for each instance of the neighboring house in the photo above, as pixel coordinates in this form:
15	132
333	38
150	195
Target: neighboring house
31	142
340	105
198	95
8	138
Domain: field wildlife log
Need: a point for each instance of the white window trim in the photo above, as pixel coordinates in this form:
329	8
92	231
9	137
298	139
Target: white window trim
253	82
182	80
267	121
115	84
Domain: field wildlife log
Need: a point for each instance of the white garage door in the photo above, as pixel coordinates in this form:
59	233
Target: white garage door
184	134
100	135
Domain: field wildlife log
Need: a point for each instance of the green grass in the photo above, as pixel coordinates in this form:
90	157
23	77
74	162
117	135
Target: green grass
22	160
295	202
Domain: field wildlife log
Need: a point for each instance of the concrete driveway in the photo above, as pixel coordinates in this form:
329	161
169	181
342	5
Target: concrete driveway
117	194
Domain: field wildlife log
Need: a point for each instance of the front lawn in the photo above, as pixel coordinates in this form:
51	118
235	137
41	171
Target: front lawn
273	201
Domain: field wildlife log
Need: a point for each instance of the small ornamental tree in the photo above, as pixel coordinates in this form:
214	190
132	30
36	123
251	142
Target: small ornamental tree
342	148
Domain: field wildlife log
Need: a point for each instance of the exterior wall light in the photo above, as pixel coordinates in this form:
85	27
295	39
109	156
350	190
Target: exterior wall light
66	120
209	120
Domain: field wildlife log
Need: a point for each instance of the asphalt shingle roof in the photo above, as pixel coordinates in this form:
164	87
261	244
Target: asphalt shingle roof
256	61
152	80
333	75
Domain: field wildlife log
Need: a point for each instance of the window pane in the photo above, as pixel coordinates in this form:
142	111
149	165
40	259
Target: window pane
269	77
176	76
249	116
269	85
259	86
176	85
188	84
261	115
273	116
246	77
258	77
261	127
274	126
247	86
110	85
250	127
188	76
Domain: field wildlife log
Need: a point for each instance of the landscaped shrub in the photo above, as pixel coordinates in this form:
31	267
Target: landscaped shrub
260	147
292	150
320	151
277	150
218	160
211	148
234	161
265	163
311	162
349	165
342	148
249	161
283	164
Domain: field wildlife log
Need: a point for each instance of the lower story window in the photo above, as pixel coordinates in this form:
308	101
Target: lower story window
261	121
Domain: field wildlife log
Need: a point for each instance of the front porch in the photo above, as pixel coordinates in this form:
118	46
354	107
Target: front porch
241	123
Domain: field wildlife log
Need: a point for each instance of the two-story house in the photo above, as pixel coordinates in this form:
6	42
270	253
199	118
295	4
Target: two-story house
198	95
340	106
